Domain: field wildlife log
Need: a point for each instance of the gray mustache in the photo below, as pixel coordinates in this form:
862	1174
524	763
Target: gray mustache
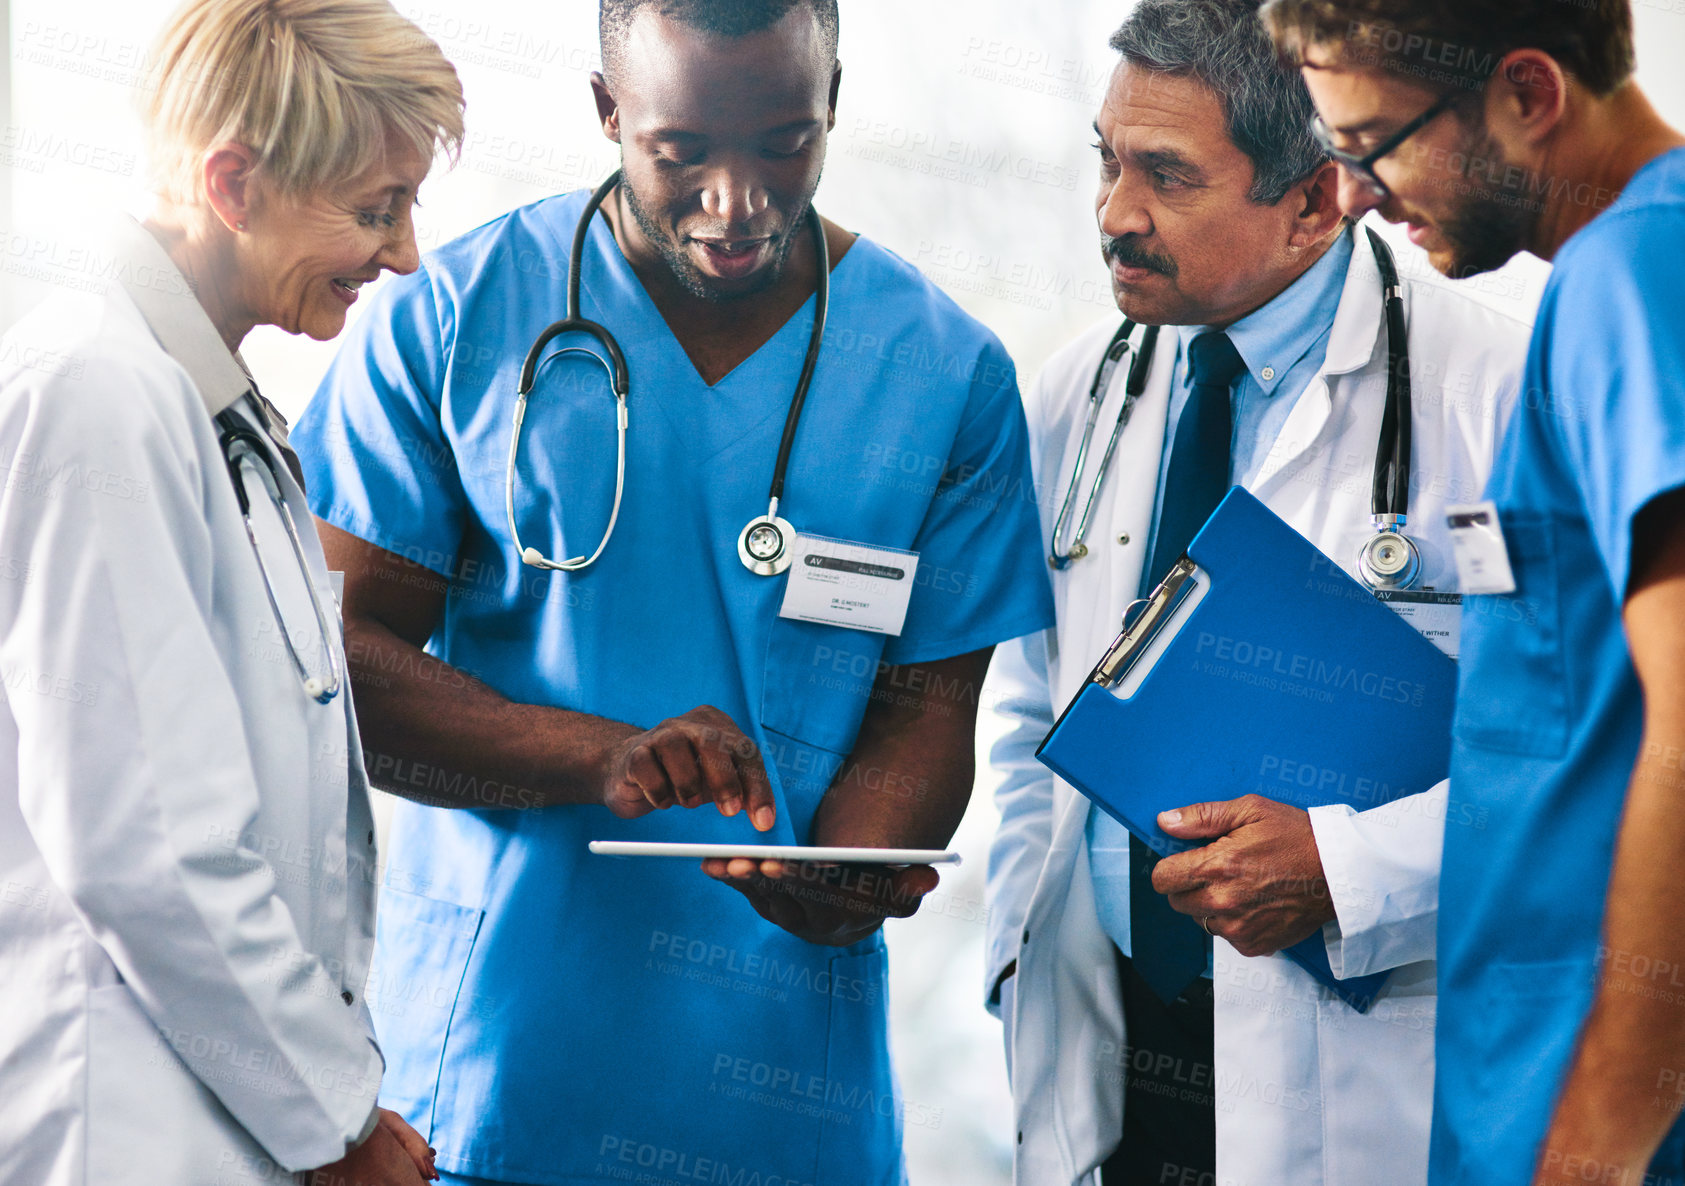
1125	250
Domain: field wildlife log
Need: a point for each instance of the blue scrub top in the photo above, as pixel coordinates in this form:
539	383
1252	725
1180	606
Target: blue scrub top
551	1016
1549	711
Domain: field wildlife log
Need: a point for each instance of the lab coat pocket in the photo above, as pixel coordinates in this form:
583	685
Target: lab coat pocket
818	681
421	952
860	1139
149	1116
1523	629
1376	1074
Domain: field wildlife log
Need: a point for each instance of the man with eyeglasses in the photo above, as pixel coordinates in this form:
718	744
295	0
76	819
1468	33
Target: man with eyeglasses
1146	1050
1561	1035
1360	167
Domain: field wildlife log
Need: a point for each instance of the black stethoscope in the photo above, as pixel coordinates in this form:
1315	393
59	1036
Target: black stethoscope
1389	559
765	544
240	444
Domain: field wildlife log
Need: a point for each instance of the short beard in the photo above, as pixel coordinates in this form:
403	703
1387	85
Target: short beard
690	277
1484	232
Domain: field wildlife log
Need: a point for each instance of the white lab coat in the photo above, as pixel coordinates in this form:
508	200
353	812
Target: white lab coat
1308	1091
186	845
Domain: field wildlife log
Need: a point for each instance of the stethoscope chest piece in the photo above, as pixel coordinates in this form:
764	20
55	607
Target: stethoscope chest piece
1389	559
765	545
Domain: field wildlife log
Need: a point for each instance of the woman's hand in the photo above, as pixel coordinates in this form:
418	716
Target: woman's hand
412	1142
393	1155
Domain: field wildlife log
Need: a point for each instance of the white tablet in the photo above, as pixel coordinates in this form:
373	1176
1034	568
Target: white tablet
777	852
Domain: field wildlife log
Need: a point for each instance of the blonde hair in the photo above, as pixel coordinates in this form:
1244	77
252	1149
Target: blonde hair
312	87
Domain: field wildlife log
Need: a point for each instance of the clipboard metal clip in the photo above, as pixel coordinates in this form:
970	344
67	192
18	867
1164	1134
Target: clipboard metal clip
1142	620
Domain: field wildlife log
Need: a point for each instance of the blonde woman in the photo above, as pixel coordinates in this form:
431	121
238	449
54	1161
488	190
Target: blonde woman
186	848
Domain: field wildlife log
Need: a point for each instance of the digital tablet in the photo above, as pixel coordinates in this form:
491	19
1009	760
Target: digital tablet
777	852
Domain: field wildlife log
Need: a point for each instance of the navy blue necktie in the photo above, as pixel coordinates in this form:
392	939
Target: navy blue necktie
1168	949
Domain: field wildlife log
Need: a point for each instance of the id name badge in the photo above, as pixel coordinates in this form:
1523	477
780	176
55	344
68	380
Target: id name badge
1437	617
1477	540
838	583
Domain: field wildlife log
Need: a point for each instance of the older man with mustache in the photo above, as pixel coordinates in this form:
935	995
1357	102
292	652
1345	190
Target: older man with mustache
1258	358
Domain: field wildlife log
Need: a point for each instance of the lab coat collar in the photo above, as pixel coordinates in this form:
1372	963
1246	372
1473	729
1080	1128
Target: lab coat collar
1358	333
1359	329
176	318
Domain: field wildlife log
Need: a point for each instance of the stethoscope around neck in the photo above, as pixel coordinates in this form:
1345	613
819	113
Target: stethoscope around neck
1389	559
240	444
766	543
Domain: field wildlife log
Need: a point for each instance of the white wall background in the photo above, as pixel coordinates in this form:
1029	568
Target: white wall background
962	143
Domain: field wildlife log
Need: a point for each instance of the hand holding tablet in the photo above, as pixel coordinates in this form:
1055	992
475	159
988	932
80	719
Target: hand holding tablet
825	894
815	854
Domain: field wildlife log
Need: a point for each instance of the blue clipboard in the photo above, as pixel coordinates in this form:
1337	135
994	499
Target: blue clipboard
1258	665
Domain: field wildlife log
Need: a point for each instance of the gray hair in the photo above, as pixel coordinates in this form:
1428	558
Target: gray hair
1224	45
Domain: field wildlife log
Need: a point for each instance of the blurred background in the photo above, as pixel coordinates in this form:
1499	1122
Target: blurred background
962	143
